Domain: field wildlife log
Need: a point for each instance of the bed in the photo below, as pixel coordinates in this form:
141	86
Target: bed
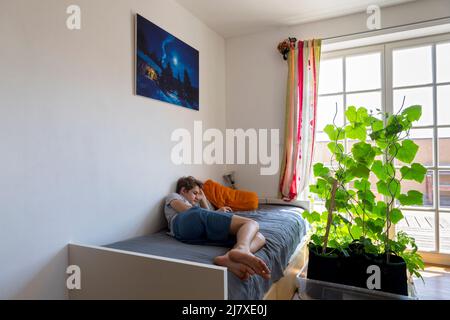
157	266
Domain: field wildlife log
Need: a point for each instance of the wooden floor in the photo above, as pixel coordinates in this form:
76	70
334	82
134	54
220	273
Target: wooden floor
436	285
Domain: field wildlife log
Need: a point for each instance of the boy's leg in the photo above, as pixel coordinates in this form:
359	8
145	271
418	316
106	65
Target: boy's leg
257	243
245	231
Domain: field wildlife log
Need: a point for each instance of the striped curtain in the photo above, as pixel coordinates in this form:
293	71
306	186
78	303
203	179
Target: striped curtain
301	104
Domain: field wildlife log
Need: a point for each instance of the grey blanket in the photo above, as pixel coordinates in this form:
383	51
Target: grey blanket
283	227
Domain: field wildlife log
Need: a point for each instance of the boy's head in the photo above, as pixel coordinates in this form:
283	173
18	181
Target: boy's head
190	188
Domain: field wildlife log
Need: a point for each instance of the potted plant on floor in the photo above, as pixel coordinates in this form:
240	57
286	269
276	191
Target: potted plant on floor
356	229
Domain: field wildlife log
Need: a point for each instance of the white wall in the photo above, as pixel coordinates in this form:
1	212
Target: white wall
256	74
82	158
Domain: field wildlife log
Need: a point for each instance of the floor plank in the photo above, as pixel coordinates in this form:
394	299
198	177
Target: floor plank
436	285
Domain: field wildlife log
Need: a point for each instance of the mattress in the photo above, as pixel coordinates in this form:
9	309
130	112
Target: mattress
282	225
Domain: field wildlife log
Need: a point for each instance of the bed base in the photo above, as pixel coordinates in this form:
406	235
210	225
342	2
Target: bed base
116	274
108	273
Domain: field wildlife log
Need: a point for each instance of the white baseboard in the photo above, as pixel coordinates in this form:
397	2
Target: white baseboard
436	258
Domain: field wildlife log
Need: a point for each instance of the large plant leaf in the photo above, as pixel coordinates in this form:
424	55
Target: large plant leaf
376	124
320	170
321	188
416	172
379	170
407	152
413	113
336	148
395	215
334	133
389	188
363	152
380	209
351	114
382	171
362	114
311	217
362	184
360	171
356	232
357	131
413	198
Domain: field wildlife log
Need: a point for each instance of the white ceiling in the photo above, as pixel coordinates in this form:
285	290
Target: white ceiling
232	18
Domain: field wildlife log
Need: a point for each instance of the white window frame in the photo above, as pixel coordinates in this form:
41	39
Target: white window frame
355	52
434	256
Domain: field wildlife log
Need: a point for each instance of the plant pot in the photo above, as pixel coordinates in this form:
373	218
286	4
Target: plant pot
394	276
352	270
324	267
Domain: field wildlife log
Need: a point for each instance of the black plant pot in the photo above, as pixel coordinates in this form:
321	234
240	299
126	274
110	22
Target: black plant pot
394	276
352	270
324	267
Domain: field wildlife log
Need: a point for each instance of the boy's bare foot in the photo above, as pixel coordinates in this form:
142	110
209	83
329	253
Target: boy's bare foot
246	257
242	271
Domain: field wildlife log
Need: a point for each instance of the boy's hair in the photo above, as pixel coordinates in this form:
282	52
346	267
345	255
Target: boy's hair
188	183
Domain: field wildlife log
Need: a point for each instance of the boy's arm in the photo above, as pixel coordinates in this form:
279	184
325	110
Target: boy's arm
179	205
204	202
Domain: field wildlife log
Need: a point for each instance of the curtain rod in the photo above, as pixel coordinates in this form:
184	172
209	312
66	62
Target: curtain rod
387	28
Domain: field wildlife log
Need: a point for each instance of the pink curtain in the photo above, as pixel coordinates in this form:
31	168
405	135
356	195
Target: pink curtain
301	104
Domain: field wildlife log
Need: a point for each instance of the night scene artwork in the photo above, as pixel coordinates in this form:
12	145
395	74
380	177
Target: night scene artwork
166	67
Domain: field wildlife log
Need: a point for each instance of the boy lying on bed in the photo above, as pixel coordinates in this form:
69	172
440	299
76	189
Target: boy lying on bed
191	220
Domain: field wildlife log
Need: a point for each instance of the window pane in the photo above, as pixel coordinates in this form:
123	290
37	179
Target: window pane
444	147
419	225
426	188
420	96
363	72
412	66
443	62
443	104
444	189
444	232
330	76
424	139
326	108
369	100
321	152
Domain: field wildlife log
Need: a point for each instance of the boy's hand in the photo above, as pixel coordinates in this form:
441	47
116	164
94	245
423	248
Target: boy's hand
225	209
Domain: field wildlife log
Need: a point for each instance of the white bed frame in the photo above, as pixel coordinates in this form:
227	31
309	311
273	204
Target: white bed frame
117	274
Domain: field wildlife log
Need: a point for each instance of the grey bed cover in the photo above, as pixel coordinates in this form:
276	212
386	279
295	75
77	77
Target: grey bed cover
283	227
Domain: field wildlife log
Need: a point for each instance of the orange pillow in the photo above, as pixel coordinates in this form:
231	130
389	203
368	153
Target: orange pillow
221	196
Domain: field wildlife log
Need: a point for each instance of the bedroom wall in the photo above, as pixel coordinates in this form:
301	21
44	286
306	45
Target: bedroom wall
256	74
83	159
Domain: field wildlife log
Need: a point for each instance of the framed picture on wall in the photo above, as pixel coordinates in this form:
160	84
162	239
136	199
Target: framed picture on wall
167	68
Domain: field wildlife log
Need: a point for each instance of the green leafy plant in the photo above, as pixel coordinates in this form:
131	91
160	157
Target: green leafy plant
353	217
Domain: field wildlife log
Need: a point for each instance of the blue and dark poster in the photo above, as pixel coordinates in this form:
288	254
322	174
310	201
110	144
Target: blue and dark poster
166	67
